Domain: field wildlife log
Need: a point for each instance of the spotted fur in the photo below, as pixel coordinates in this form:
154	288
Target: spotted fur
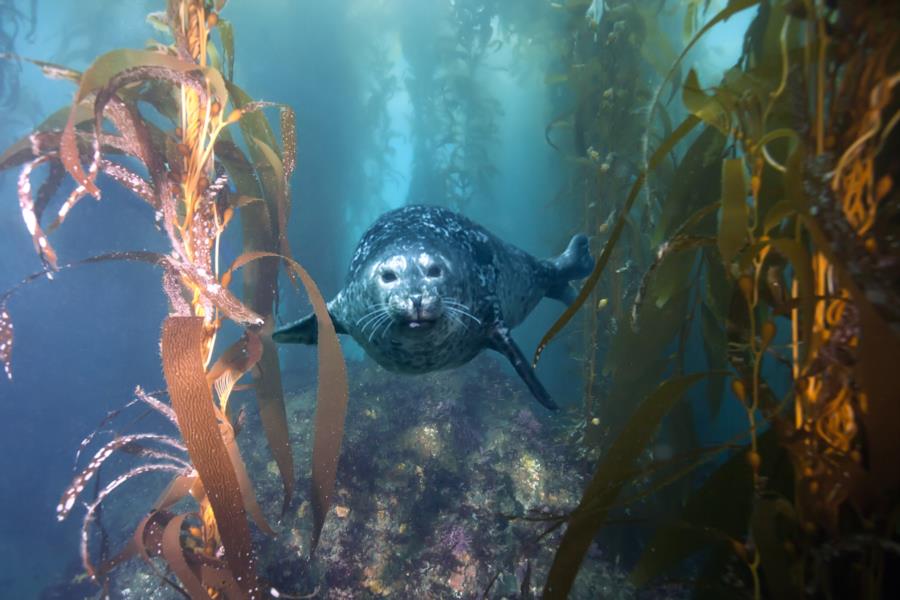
468	286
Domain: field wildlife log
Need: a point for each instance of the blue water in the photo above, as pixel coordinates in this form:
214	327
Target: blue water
84	340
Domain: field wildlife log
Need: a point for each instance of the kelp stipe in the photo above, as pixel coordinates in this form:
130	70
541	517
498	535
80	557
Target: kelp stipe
189	171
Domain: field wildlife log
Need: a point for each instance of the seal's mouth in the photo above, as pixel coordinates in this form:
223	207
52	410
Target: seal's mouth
421	323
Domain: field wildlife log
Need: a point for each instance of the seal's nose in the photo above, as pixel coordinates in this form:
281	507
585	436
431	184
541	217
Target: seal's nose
417	303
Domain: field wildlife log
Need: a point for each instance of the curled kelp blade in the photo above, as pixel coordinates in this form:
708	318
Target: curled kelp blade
331	398
182	341
80	481
98	76
234	362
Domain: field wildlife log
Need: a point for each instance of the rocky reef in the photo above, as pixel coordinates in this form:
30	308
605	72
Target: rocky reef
435	476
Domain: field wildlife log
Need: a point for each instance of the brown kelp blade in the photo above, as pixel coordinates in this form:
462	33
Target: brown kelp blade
6	340
182	341
240	470
331	398
173	553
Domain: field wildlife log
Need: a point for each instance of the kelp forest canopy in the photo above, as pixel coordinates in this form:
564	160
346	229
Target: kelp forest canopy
736	415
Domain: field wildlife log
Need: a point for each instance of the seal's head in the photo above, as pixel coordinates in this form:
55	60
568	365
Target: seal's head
409	287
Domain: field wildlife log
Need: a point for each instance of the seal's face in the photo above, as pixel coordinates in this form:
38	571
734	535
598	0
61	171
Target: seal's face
408	288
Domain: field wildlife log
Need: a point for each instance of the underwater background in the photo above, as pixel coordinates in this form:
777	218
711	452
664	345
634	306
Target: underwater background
531	118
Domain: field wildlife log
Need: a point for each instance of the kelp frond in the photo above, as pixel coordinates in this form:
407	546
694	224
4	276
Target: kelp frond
189	174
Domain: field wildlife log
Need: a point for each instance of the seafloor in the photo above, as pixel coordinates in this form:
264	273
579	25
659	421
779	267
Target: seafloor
432	469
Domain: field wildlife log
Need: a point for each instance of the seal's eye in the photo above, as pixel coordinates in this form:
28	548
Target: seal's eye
388	276
433	271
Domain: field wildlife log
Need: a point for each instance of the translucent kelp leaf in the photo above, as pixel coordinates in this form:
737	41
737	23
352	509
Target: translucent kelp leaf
608	480
590	283
669	273
181	343
226	35
735	214
50	70
711	109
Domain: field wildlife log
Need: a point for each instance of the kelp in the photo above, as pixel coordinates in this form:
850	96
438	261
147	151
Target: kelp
187	186
790	281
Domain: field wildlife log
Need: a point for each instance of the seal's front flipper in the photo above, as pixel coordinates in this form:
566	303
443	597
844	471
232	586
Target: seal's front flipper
304	331
501	341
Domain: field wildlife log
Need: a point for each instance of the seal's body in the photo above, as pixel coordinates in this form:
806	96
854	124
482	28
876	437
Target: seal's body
428	289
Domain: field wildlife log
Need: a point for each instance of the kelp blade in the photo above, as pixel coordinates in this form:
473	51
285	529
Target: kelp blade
182	341
686	127
610	477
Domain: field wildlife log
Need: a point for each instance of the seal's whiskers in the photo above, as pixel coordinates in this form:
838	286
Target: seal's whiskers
460	308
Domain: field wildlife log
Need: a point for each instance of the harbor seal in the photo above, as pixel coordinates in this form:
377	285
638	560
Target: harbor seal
429	289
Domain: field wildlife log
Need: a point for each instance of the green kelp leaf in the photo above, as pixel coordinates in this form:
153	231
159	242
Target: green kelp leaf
683	196
734	218
734	7
797	255
715	346
590	283
159	21
711	109
771	522
669	273
608	480
719	511
226	36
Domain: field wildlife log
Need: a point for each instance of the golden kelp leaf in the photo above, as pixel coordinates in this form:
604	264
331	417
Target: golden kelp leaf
733	220
686	126
608	479
181	343
733	7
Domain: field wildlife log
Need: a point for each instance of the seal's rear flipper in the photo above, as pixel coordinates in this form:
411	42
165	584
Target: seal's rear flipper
575	263
304	331
501	341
